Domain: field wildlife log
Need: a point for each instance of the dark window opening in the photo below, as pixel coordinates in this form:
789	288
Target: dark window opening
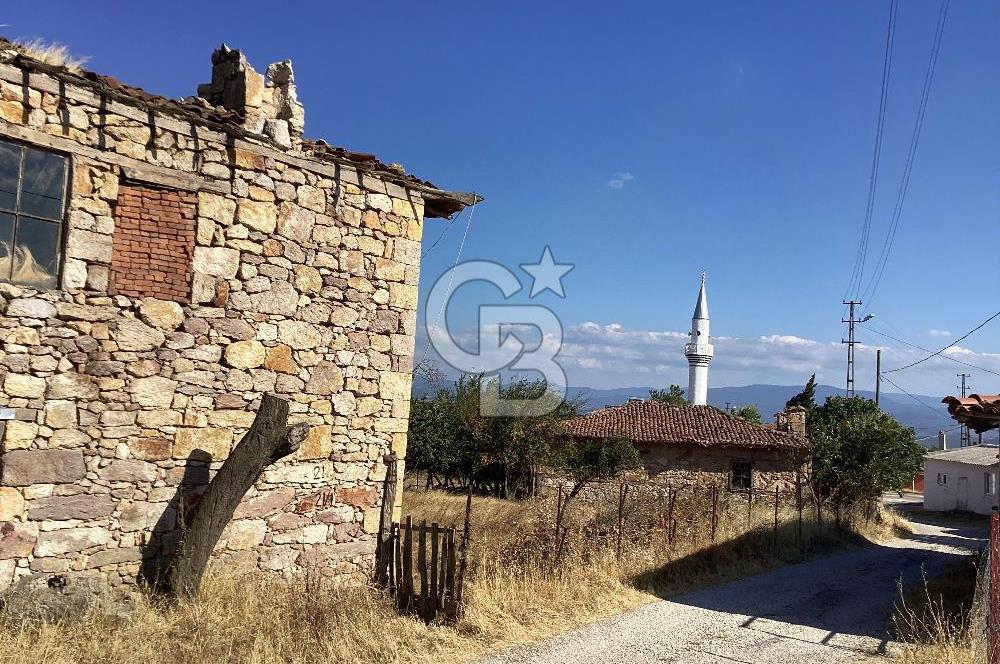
32	201
741	476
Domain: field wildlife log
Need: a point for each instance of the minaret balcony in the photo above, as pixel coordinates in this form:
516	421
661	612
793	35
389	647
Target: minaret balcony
699	352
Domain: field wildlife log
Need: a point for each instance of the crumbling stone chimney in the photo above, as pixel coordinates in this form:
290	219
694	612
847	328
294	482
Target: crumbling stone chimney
269	105
792	420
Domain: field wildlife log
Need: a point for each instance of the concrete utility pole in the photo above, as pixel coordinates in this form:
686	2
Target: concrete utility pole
878	374
850	320
963	432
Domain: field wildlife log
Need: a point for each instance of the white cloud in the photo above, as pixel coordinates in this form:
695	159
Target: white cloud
786	340
939	333
619	180
604	355
957	350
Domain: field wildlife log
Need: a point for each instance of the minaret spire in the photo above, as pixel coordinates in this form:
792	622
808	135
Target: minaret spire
699	350
701	309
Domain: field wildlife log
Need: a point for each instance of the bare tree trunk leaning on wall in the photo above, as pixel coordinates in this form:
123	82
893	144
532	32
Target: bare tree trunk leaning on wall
383	551
268	440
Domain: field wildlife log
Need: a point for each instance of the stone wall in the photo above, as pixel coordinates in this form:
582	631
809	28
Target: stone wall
704	467
128	392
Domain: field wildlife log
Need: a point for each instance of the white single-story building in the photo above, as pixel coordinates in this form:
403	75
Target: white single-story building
964	479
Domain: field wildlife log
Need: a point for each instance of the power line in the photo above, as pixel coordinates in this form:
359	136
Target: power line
919	401
935	354
904	185
935	435
440	237
927	350
857	275
451	279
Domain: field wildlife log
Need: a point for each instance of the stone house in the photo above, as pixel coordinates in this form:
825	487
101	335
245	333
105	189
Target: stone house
705	446
164	263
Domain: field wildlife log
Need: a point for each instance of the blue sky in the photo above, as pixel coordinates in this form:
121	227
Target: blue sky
646	142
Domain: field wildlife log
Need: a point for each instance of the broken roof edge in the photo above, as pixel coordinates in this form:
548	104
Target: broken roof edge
438	203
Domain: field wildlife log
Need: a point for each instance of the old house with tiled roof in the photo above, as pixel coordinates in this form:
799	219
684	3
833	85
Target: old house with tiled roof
703	445
165	263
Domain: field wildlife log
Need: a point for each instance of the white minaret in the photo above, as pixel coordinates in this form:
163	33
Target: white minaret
699	351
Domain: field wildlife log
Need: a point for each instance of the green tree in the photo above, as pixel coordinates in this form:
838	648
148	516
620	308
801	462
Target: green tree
674	396
453	440
430	445
860	451
806	398
749	412
589	460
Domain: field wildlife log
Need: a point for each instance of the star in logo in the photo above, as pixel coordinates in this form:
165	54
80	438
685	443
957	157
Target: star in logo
546	274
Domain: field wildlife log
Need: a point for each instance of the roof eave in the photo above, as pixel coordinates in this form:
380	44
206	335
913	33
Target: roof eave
446	204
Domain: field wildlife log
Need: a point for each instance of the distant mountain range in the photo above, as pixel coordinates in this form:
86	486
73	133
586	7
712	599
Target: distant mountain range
770	399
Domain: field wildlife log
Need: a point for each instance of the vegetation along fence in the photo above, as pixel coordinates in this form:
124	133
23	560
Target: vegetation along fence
695	510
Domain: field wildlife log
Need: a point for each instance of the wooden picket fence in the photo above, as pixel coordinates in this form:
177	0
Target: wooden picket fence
428	584
431	588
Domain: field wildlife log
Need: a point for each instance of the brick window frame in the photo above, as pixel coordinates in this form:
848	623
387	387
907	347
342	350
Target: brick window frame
154	242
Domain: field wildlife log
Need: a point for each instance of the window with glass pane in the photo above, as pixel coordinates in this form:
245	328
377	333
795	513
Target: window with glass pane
32	198
741	476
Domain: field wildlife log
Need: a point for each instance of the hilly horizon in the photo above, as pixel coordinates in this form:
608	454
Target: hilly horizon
927	417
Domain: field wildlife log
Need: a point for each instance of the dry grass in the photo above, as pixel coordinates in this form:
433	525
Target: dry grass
936	618
51	53
516	593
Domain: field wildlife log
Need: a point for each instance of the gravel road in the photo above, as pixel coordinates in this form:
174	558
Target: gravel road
832	609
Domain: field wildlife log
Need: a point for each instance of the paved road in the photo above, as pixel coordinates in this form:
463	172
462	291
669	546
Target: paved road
832	609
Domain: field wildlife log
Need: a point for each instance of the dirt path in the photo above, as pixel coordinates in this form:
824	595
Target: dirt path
832	609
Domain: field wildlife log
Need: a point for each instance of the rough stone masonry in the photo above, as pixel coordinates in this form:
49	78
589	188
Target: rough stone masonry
164	263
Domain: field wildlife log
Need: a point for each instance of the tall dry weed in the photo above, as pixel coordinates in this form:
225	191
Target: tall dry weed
51	53
939	619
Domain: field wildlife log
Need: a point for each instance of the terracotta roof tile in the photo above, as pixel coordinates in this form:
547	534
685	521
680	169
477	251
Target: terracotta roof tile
981	412
653	422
